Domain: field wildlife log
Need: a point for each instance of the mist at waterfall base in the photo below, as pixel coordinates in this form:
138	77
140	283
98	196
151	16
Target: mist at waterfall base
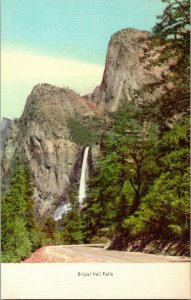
63	209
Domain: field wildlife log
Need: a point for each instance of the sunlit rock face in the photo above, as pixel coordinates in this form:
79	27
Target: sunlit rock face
125	71
48	135
6	123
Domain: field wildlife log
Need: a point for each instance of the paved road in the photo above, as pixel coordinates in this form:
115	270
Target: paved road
93	254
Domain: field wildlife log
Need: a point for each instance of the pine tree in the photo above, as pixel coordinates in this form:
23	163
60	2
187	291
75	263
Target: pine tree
123	172
49	230
169	47
165	208
13	216
71	227
20	232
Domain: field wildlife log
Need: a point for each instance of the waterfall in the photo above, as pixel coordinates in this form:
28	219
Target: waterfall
61	210
83	177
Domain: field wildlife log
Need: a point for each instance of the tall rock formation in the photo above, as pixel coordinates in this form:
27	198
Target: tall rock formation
124	72
48	134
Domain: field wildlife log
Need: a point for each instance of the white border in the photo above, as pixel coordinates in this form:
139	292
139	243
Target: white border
129	281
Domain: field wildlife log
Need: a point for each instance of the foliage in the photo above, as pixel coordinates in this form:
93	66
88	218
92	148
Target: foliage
123	172
71	227
20	233
170	44
165	209
174	21
49	228
86	131
141	185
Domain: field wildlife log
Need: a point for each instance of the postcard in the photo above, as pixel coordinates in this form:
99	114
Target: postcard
95	149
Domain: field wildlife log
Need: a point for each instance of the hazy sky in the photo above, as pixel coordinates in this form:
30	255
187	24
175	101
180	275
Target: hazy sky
62	42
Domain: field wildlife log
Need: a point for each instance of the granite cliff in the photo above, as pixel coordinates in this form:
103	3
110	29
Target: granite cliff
54	128
125	71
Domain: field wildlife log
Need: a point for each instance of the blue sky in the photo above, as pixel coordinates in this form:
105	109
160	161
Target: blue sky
68	32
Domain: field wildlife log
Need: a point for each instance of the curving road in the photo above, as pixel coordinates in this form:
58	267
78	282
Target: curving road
96	254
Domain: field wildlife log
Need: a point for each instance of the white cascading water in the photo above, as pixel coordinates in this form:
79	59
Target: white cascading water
61	210
83	177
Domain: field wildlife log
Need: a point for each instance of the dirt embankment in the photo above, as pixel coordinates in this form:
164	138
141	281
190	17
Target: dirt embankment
41	256
151	244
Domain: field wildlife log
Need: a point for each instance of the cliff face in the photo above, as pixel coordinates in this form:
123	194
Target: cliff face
124	72
5	125
48	135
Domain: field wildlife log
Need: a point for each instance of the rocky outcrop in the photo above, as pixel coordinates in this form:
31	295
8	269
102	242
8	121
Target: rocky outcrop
8	145
150	244
124	73
43	134
6	123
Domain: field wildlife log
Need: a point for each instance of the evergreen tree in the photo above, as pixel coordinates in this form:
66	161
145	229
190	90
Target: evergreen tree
49	231
14	209
123	173
165	209
71	226
20	233
174	23
171	44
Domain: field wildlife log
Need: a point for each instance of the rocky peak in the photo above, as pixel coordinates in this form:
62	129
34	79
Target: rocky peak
124	73
49	98
55	126
129	37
